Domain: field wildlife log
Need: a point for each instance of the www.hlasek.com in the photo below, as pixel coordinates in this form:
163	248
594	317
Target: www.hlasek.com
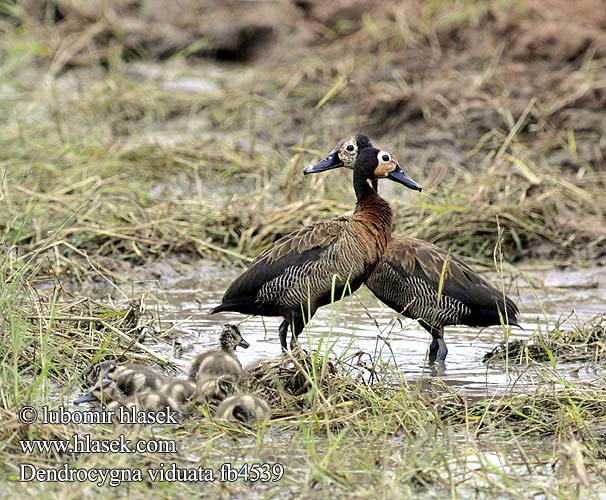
85	444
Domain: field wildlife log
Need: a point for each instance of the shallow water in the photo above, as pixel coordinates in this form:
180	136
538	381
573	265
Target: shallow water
362	323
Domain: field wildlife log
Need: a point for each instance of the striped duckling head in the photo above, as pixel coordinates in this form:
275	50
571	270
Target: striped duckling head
104	391
230	338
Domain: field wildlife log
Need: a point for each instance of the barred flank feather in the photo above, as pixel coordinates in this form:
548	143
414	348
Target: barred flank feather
297	273
408	281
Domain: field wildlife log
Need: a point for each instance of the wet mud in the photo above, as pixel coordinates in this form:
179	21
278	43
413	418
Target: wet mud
361	324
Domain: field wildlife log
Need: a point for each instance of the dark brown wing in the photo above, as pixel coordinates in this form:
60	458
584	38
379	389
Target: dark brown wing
295	249
411	271
318	235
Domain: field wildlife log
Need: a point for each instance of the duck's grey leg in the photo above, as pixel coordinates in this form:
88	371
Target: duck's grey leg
283	331
298	323
437	349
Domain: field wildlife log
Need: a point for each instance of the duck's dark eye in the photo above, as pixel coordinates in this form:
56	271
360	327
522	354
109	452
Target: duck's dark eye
350	148
385	157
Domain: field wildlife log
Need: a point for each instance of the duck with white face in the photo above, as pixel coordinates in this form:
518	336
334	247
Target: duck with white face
344	154
325	261
420	280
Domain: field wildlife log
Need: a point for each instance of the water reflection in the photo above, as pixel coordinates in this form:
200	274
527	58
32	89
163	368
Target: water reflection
361	323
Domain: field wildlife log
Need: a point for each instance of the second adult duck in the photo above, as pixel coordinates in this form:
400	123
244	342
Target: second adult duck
295	276
422	281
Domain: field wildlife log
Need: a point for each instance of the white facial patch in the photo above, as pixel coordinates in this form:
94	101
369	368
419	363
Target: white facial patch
348	152
383	157
385	164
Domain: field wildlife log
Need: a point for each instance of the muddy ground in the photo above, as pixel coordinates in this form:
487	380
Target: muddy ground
149	150
497	107
436	76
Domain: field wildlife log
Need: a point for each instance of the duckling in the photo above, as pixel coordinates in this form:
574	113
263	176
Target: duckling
217	388
244	408
133	379
420	280
178	395
223	361
182	395
136	385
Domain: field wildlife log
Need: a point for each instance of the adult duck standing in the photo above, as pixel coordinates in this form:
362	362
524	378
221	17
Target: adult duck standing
420	280
322	262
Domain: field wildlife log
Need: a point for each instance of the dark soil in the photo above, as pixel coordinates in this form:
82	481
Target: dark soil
446	85
493	89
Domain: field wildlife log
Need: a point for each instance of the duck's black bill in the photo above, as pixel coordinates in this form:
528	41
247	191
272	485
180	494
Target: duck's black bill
244	344
400	177
328	163
85	398
89	396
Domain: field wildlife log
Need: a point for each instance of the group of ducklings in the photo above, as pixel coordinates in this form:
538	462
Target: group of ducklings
213	380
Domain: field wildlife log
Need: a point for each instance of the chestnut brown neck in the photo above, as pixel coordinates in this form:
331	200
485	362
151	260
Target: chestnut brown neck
373	208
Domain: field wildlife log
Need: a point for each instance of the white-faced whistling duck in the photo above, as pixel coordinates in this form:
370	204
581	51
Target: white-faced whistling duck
244	408
294	277
407	279
222	361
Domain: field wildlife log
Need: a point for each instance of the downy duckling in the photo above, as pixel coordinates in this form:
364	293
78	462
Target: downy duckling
223	361
121	383
178	395
133	379
182	395
244	408
105	390
217	388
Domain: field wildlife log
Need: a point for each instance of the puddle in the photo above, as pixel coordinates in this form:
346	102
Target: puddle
362	323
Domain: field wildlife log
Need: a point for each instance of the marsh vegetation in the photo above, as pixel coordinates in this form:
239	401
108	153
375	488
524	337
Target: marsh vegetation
146	156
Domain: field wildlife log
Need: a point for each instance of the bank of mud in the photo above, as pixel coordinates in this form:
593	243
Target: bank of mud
496	107
147	152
